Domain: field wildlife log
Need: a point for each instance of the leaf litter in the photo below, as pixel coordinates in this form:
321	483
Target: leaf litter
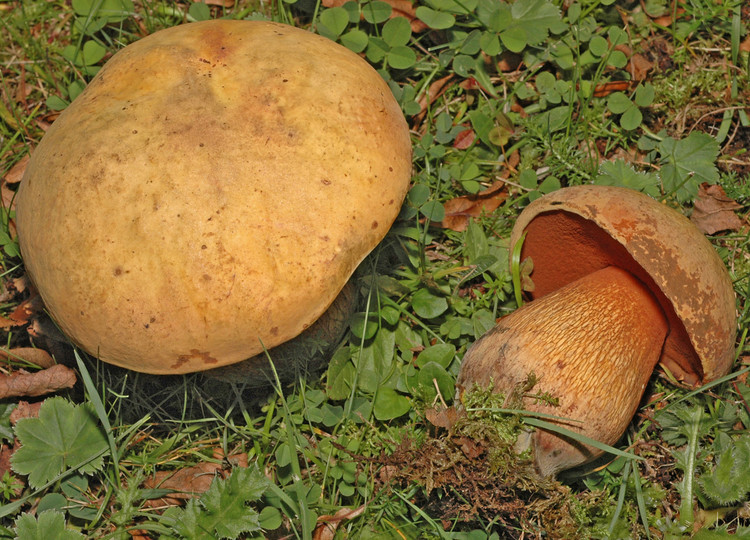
714	211
46	381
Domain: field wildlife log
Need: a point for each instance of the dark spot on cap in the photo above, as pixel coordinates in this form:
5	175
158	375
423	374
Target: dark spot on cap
206	277
204	246
374	224
326	182
275	331
180	360
195	354
117	271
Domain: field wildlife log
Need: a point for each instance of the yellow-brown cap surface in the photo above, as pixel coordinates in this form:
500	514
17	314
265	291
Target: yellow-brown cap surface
210	193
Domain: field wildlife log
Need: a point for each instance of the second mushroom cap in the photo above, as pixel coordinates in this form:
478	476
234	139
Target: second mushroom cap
621	282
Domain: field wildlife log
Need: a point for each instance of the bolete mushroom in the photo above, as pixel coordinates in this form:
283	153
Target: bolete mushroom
621	282
210	192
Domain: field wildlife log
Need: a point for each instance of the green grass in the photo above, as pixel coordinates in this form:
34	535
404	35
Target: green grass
367	434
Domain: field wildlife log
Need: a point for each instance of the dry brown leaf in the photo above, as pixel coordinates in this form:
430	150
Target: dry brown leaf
24	409
512	162
188	482
222	3
639	67
434	91
605	89
21	283
745	45
38	357
714	210
469	447
26	310
458	211
464	139
387	473
14	175
8	323
666	20
38	383
443	417
5	453
327	525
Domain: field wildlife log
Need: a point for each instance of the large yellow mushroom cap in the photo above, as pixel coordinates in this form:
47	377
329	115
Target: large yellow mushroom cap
210	193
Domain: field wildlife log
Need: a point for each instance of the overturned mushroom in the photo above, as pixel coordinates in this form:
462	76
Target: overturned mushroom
210	193
621	282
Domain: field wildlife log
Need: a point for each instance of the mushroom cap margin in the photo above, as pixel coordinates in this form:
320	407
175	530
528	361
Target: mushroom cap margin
576	230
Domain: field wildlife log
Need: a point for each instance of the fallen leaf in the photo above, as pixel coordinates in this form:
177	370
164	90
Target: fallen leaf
714	210
8	323
464	139
39	383
387	473
327	525
434	91
38	357
605	89
443	417
469	447
639	67
745	45
6	451
471	83
8	196
14	175
188	482
235	460
27	309
11	290
24	409
666	19
458	211
222	3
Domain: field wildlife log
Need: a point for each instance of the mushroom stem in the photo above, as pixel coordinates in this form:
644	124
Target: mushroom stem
592	344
